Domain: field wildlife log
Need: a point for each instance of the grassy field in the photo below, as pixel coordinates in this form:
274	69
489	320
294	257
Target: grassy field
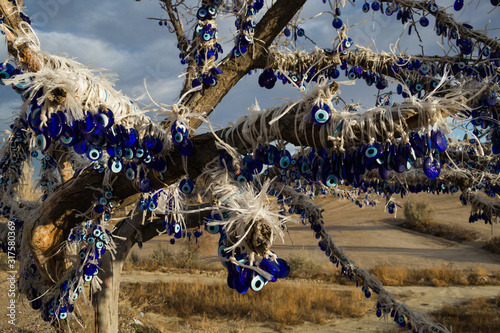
283	303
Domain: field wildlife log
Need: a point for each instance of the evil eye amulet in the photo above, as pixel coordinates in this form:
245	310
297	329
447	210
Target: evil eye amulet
179	133
284	160
321	114
186	186
431	167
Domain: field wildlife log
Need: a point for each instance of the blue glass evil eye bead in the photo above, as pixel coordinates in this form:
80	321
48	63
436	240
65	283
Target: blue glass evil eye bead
431	167
202	14
179	132
458	5
439	141
371	151
42	142
186	148
5	71
321	114
146	185
337	23
271	267
284	268
212	228
106	119
331	180
433	7
94	154
257	282
243	177
115	165
285	159
375	5
366	7
186	186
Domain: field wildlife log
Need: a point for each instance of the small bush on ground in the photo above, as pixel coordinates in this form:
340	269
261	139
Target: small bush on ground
418	212
493	245
477	315
418	216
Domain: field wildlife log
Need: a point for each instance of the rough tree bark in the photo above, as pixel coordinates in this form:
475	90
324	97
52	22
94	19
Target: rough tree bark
105	301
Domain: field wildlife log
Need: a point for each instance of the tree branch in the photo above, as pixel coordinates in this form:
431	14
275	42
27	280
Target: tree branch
274	20
448	20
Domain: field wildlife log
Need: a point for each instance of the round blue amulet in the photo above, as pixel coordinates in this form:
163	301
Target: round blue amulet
321	114
337	23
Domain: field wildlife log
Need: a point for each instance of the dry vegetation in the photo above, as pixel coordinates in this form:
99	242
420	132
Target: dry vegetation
480	315
186	257
493	245
439	276
418	216
303	267
283	303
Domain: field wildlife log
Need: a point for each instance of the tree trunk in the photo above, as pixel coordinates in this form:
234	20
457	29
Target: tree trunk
105	301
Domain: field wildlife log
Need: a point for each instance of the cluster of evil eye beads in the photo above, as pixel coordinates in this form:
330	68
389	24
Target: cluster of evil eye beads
95	134
92	241
406	14
331	168
205	47
11	162
245	24
242	278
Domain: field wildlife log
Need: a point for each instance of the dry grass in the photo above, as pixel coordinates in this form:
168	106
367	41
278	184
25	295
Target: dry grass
304	267
480	315
418	215
283	303
493	245
187	257
439	276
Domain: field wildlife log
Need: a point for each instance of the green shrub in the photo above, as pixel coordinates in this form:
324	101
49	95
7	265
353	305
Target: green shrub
418	212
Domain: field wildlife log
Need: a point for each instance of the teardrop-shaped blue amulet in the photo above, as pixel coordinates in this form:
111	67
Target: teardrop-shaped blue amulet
431	167
186	148
145	185
179	132
284	268
271	267
459	4
186	186
439	141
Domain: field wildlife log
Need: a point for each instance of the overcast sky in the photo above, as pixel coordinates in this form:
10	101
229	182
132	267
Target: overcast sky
116	35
